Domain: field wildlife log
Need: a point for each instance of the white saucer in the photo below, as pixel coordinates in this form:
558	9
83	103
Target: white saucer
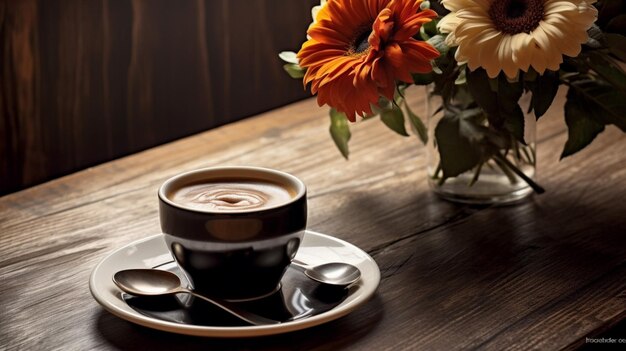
151	252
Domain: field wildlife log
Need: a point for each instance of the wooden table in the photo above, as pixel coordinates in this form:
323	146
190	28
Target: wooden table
544	274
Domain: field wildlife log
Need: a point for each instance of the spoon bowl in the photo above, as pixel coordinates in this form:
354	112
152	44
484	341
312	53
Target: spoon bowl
154	282
334	273
141	283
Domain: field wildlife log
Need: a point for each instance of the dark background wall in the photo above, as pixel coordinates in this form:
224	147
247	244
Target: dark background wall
82	82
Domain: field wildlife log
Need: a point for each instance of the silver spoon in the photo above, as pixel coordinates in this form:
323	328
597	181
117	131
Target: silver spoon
154	282
334	273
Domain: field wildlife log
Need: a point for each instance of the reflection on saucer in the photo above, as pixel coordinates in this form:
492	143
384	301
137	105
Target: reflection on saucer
298	298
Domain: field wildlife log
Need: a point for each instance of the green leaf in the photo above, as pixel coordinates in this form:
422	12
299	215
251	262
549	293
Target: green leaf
471	125
501	106
457	153
531	75
383	104
394	119
461	79
423	78
480	87
617	24
340	131
428	30
514	123
398	96
607	103
608	70
463	97
294	70
439	42
616	44
448	71
594	36
416	123
544	88
582	128
493	85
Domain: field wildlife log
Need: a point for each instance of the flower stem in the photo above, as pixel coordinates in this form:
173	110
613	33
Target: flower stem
476	174
506	170
536	187
441	181
529	158
437	171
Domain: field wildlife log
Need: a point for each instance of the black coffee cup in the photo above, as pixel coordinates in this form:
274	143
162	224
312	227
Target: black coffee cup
233	230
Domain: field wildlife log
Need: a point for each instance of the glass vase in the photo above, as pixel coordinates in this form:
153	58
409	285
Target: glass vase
504	174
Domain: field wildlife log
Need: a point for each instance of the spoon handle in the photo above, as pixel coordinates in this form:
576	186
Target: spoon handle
300	264
233	309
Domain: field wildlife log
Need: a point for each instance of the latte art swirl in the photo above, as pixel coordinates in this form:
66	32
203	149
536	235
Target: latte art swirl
224	199
231	196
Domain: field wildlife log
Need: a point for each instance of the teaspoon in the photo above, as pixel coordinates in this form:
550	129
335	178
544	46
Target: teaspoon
334	273
154	282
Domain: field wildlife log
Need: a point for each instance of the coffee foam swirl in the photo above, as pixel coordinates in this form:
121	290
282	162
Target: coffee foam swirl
231	196
227	199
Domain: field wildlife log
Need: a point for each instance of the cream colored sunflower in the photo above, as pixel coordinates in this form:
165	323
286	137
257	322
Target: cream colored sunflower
314	12
290	56
513	35
317	9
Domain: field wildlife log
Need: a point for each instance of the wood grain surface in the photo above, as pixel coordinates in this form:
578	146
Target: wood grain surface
544	274
82	82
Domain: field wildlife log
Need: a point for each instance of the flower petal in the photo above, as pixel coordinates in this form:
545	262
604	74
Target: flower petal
561	31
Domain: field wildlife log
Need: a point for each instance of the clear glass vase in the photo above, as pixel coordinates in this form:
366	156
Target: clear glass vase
502	176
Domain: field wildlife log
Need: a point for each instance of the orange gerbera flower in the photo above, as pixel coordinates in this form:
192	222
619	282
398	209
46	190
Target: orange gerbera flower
359	48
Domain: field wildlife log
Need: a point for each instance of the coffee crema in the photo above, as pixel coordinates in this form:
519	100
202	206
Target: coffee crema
232	195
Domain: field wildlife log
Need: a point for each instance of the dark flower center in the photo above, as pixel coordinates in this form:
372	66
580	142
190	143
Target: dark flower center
516	16
360	44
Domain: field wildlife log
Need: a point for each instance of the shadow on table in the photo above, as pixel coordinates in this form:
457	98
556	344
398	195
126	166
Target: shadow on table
563	251
337	334
590	221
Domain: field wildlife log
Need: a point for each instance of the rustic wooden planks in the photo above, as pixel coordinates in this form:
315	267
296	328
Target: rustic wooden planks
82	82
543	274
